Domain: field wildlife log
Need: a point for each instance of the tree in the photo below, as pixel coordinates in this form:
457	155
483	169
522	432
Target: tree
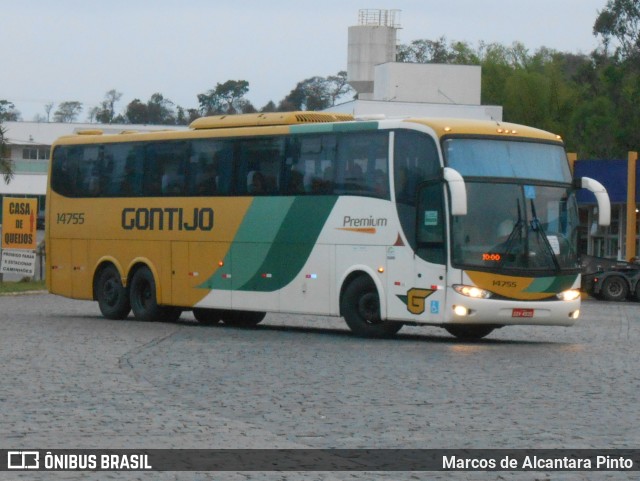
269	107
186	116
620	19
48	108
437	51
67	111
338	86
105	113
136	112
8	111
225	98
157	111
314	93
160	110
6	166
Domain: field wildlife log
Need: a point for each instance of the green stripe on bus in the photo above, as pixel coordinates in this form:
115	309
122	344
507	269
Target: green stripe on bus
338	127
273	242
551	284
355	126
311	128
293	244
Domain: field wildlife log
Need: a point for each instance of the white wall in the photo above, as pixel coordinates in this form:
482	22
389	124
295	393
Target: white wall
429	83
416	109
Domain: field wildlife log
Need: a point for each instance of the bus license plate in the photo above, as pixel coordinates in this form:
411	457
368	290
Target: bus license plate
522	312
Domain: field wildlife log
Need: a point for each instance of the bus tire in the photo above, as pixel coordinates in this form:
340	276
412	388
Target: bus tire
360	307
614	288
243	318
143	299
112	296
469	332
207	317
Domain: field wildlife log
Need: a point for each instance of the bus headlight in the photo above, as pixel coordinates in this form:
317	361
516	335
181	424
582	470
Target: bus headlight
472	291
569	295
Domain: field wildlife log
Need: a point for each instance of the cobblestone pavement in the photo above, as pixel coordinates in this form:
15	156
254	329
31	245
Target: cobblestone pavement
72	379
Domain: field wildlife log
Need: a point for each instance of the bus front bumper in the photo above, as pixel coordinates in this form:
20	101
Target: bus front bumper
466	310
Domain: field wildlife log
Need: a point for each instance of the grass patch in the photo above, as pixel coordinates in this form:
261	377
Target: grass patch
21	286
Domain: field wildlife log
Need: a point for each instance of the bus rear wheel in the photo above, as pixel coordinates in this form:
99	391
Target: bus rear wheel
112	296
360	307
144	302
469	332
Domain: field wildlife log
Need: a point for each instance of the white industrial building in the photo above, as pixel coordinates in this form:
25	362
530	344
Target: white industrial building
398	89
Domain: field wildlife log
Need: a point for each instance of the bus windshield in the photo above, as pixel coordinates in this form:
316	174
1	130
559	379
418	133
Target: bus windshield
518	227
512	223
507	158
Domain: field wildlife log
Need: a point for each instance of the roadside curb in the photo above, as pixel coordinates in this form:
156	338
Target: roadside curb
23	293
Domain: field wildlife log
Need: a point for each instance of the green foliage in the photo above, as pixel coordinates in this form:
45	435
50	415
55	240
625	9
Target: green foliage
226	98
67	111
620	19
316	93
6	166
24	285
8	111
105	113
157	111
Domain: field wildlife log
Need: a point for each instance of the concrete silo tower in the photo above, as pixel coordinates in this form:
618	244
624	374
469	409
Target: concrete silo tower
371	42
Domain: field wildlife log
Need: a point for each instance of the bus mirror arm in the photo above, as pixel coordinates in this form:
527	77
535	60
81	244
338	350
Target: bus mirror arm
604	205
457	189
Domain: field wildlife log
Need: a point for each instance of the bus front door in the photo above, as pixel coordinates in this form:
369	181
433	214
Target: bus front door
417	272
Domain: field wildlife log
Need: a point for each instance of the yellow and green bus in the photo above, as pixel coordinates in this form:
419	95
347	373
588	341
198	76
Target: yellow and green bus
463	224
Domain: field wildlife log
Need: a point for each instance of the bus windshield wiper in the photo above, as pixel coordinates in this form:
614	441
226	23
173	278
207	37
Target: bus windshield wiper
515	233
536	226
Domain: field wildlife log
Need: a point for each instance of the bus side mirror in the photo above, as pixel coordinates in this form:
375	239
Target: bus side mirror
604	205
458	191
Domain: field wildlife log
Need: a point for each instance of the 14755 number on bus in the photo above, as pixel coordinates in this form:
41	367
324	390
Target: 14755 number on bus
75	218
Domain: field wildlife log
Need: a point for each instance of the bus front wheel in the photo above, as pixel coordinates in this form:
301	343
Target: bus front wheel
112	296
144	302
360	307
469	332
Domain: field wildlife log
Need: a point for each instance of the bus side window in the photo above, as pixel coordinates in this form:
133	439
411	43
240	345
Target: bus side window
430	226
259	169
293	172
415	159
65	169
165	169
210	167
90	172
125	170
314	170
362	164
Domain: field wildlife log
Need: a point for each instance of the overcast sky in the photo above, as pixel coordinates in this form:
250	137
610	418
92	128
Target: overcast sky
53	51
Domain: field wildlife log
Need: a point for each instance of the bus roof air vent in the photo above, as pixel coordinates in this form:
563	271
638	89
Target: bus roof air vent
89	132
266	119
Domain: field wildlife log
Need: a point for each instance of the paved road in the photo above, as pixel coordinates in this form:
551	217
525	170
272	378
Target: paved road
72	379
